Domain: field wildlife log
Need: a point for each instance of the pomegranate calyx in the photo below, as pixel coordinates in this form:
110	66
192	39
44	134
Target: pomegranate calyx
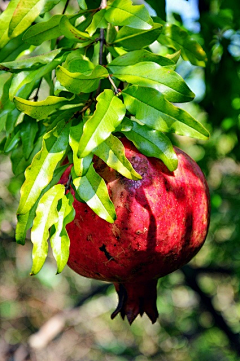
135	299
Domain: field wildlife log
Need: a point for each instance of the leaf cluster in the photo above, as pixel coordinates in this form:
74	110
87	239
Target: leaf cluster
104	81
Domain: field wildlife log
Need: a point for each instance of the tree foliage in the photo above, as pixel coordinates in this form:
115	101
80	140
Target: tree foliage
101	74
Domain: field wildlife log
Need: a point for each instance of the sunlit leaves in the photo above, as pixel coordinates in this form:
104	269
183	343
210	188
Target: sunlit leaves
92	189
137	56
108	114
40	110
26	12
5	19
81	82
40	172
73	33
122	12
98	21
149	74
152	109
153	143
175	37
30	63
133	39
80	165
59	240
111	151
46	216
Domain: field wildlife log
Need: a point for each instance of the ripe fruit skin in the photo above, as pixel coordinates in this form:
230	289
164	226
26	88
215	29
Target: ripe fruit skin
162	222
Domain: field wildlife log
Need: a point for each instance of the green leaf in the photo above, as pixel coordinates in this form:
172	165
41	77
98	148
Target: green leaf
46	216
111	151
25	220
25	13
12	140
149	74
175	37
59	240
23	224
28	76
151	108
48	5
46	30
92	189
134	39
40	110
80	165
34	62
72	33
43	31
76	62
98	21
12	49
39	174
81	82
108	114
153	143
5	19
123	12
82	4
28	132
137	56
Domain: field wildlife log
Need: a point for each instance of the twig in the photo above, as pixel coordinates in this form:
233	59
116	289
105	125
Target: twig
116	91
56	324
65	7
206	301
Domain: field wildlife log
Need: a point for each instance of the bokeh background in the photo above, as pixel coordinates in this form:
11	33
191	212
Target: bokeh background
67	317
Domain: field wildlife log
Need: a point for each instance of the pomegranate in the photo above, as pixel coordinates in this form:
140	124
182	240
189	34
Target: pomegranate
162	222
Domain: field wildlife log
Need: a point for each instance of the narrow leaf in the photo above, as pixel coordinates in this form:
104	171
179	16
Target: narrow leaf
138	56
151	108
133	39
92	189
40	110
153	143
108	114
23	224
80	165
111	151
29	76
46	216
39	174
152	75
25	13
33	62
59	240
175	37
28	132
68	30
25	221
123	12
98	21
5	19
81	82
46	30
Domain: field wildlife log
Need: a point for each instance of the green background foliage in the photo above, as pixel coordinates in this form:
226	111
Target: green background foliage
199	305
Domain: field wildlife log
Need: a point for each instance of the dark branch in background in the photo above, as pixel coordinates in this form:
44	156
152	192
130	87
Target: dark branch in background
206	301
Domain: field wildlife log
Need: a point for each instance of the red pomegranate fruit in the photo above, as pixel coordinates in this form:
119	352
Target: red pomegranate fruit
162	222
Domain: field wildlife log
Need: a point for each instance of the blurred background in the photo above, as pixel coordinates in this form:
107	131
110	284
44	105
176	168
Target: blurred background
67	317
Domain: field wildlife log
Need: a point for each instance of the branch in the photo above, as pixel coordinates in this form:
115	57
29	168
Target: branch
190	278
56	324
